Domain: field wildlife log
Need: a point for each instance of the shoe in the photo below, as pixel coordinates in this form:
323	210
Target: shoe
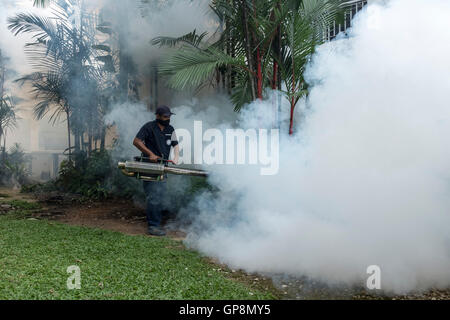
155	231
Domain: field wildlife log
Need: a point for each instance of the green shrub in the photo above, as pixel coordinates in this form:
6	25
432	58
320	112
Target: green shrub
39	187
13	166
95	177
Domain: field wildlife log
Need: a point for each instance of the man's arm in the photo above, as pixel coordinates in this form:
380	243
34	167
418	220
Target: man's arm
176	154
176	147
138	143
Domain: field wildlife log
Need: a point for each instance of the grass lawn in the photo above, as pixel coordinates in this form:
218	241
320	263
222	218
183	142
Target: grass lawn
35	254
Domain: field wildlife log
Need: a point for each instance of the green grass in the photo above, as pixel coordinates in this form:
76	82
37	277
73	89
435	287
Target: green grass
21	204
35	254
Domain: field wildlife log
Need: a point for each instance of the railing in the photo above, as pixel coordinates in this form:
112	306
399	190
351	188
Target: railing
334	30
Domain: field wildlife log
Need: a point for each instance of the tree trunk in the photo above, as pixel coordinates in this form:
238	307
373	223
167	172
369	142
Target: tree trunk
4	144
68	135
1	135
274	95
77	141
3	154
124	66
229	53
291	118
90	143
248	50
277	49
258	59
103	138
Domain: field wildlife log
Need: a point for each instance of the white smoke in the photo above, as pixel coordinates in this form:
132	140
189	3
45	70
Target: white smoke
10	45
144	22
367	179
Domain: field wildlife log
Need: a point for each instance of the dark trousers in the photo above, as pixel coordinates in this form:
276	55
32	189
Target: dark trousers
154	193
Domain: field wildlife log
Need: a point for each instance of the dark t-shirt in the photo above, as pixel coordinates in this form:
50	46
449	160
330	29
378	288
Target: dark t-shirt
156	140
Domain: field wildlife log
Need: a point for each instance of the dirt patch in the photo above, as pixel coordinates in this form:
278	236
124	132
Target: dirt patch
14	194
120	215
113	214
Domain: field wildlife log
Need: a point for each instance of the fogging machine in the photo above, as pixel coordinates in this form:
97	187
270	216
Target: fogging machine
145	169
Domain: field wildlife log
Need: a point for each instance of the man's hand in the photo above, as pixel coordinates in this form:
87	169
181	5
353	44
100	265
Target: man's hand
175	160
141	146
153	157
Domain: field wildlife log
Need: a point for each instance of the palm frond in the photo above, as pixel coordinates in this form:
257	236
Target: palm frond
241	93
41	3
188	68
8	116
42	27
192	39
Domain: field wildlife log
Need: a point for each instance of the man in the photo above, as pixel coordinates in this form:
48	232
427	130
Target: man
154	140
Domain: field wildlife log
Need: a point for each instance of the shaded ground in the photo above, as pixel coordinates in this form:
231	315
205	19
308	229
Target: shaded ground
116	214
126	217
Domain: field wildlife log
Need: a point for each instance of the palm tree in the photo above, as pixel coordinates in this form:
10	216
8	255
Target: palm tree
239	55
8	118
67	74
263	44
304	25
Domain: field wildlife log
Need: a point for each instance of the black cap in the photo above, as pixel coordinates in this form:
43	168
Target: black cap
164	111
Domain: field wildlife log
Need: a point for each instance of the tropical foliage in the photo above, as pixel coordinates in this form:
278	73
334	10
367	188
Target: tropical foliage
8	110
8	118
14	166
69	78
258	45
